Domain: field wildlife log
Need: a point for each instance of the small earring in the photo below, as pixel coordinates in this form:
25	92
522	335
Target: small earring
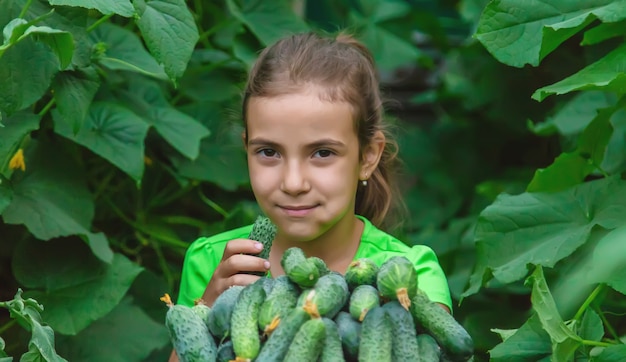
364	182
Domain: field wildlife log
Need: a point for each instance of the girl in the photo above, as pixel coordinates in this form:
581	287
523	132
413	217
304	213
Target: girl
320	168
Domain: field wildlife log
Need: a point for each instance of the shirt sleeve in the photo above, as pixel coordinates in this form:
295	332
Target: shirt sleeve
200	262
430	276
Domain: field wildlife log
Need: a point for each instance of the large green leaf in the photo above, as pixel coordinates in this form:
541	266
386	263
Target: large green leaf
52	200
180	130
542	228
75	287
60	41
606	74
564	340
121	49
615	155
170	32
113	132
73	93
268	20
26	70
119	7
571	168
528	343
389	50
603	32
6	193
524	32
576	114
16	127
125	334
615	353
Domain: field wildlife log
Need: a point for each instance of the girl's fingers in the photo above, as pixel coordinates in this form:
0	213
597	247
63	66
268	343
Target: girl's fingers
241	263
241	246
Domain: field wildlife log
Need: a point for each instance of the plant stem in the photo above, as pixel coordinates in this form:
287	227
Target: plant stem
8	326
588	301
46	108
25	9
607	325
596	343
211	203
98	22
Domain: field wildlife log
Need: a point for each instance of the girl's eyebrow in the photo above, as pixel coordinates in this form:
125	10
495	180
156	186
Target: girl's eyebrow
319	143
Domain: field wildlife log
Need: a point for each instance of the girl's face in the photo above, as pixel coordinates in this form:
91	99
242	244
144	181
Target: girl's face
304	163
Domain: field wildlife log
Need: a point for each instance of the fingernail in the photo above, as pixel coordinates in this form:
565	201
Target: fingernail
258	246
266	264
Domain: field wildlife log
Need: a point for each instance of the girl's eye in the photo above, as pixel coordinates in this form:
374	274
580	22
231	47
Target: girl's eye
267	152
324	153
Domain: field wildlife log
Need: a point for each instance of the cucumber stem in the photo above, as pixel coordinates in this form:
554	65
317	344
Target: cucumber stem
403	297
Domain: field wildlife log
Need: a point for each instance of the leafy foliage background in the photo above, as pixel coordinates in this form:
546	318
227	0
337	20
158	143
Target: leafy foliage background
511	121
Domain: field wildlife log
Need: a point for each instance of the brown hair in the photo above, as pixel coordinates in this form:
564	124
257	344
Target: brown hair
345	69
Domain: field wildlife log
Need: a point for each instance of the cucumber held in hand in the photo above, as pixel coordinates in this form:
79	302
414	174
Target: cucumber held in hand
263	231
397	280
454	340
189	334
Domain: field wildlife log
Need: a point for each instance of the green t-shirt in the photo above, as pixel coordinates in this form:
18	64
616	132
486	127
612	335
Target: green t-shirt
205	254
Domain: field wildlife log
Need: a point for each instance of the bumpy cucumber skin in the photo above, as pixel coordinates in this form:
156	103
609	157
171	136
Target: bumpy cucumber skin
263	231
203	311
428	347
363	299
320	264
395	273
331	294
225	352
404	345
221	311
267	283
350	333
362	271
244	321
276	346
332	350
189	335
308	342
456	343
376	337
279	301
299	268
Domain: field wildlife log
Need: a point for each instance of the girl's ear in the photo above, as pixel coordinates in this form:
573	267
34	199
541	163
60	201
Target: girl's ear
371	155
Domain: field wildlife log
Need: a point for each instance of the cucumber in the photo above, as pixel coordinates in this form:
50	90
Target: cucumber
332	350
308	342
428	347
202	310
362	271
189	334
267	283
263	231
244	322
320	264
376	337
350	334
225	352
328	296
299	268
404	344
221	311
454	340
276	346
397	280
278	303
363	298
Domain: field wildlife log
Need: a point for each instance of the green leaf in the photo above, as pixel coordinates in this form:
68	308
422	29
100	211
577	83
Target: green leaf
180	130
75	287
113	132
529	343
603	32
571	168
267	20
61	42
591	327
105	341
576	114
615	353
542	228
564	340
518	33
52	199
73	93
379	11
608	261
119	7
26	70
6	193
41	345
605	74
120	49
615	155
170	32
389	50
16	127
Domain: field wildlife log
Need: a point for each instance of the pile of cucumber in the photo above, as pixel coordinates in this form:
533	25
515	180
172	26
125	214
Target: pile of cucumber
313	314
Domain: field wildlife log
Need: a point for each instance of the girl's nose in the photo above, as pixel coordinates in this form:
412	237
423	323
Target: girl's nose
294	180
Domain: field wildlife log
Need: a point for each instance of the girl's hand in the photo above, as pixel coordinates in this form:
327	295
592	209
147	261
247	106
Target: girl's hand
233	267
